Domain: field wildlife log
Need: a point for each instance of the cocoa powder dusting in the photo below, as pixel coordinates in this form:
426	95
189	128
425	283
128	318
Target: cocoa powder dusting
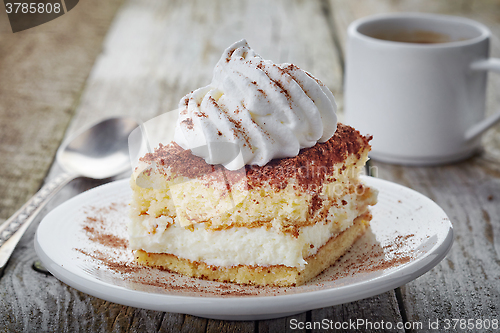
309	167
188	122
373	256
125	267
105	239
316	203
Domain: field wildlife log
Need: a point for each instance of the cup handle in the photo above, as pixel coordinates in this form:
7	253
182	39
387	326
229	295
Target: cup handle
491	64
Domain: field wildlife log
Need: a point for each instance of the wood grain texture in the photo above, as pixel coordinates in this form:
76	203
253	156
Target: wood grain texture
33	302
466	284
154	53
283	324
157	51
42	73
383	307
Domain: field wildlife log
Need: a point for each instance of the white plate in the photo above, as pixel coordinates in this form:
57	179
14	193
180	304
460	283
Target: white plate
83	243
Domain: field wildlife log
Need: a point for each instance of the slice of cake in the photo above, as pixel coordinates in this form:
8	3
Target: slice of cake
261	185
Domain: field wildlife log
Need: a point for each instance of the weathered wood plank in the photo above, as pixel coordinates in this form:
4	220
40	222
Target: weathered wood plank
465	284
158	51
283	324
30	301
42	74
155	52
364	315
172	322
222	326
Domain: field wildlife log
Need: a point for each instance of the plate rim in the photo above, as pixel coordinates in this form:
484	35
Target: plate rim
225	307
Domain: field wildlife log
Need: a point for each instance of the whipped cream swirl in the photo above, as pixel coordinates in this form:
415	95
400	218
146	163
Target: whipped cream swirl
254	111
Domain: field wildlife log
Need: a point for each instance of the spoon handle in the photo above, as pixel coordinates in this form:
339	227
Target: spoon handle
13	229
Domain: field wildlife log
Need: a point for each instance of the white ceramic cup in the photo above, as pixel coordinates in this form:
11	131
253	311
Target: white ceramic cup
423	103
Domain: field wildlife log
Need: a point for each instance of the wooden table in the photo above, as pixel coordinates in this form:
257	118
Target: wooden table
138	57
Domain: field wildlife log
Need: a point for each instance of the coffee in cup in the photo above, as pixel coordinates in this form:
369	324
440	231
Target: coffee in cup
417	82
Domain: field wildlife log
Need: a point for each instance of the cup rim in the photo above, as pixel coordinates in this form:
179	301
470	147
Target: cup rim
353	29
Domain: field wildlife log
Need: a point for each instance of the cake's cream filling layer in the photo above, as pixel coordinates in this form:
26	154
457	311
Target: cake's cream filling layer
238	245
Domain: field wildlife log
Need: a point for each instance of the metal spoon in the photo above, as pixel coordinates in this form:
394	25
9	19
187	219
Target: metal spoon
98	152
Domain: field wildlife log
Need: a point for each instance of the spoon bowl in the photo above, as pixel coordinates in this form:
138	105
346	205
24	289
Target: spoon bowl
99	152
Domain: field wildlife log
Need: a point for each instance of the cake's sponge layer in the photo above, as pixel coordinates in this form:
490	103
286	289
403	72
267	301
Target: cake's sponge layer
277	275
286	193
